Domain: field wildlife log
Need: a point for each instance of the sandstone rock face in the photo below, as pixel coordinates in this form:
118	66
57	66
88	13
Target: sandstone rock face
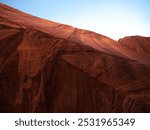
51	67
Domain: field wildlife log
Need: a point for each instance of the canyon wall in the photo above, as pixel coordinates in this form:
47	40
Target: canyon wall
51	67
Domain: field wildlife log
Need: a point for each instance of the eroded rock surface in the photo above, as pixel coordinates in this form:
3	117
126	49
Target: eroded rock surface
51	67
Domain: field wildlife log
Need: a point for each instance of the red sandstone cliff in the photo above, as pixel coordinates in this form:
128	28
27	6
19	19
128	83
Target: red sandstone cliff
51	67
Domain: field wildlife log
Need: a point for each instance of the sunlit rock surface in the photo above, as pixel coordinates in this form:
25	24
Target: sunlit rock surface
51	67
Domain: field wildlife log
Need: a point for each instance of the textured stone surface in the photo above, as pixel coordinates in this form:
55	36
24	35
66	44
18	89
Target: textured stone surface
51	67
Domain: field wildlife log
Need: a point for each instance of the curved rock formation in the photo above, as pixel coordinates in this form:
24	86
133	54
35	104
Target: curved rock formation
51	67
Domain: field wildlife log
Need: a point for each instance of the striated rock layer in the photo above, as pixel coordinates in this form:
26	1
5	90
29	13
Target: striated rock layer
51	67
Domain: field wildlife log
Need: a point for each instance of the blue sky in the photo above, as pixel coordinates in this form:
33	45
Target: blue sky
113	18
